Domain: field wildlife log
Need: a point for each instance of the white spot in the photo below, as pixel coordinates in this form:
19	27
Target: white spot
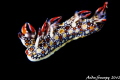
51	31
63	41
77	30
70	36
26	35
23	41
58	43
68	22
51	43
37	42
52	48
56	37
39	55
61	31
46	52
38	50
70	31
90	21
35	55
62	24
73	24
87	31
85	20
75	38
32	36
29	52
64	35
51	34
84	26
96	28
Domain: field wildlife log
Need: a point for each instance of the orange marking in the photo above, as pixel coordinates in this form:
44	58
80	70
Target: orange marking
55	30
81	29
88	27
74	28
29	54
31	49
104	20
26	40
23	29
79	26
48	47
26	52
47	39
44	44
65	31
80	23
92	30
60	37
33	42
43	52
88	23
27	44
91	27
54	43
67	27
61	31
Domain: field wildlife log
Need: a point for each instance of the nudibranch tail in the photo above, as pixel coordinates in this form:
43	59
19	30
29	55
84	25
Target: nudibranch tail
53	35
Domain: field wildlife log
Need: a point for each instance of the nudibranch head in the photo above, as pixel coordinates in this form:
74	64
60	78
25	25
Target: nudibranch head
36	54
33	53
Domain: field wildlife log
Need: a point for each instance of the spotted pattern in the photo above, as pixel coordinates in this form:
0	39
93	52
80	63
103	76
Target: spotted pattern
63	33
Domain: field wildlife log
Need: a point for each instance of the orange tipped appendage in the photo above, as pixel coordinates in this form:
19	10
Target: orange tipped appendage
84	13
24	28
44	27
57	19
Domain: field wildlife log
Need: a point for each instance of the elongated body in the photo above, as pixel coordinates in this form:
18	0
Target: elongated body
53	35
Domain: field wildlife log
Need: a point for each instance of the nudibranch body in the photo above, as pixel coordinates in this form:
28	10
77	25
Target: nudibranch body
53	35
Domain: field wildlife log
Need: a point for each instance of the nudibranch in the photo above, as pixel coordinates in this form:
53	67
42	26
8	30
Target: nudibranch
53	35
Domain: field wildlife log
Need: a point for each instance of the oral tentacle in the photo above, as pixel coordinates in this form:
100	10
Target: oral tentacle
27	26
27	34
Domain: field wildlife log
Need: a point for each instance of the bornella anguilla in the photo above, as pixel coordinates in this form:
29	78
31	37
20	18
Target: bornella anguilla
53	35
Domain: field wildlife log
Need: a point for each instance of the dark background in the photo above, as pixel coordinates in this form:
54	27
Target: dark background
95	53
